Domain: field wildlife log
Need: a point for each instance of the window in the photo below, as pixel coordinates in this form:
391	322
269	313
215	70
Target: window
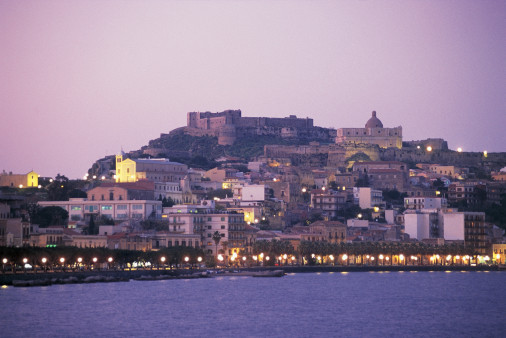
209	227
121	207
223	227
137	206
75	207
106	207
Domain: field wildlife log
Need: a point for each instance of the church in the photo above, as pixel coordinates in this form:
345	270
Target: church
373	133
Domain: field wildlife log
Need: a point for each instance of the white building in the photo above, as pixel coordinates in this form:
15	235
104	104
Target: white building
253	192
79	208
448	224
425	203
418	224
367	198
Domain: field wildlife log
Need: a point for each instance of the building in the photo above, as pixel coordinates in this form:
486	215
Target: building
155	170
425	203
168	239
373	133
204	221
329	202
253	193
367	198
19	180
468	192
499	253
14	232
81	208
468	227
449	171
345	181
384	175
325	231
141	190
130	241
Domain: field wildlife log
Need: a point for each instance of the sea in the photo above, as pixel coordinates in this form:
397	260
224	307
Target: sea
354	304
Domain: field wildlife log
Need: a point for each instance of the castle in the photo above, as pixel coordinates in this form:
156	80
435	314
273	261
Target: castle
228	124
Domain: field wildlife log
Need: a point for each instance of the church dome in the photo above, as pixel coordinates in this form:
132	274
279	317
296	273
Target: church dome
374	122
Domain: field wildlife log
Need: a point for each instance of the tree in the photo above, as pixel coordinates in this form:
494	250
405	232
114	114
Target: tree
216	238
363	181
92	228
219	193
48	216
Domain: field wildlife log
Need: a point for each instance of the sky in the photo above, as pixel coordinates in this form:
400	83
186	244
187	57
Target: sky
80	80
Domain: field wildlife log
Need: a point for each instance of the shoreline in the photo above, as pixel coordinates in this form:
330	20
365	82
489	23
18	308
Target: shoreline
96	276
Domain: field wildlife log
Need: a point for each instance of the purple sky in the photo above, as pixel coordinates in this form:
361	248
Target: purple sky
81	79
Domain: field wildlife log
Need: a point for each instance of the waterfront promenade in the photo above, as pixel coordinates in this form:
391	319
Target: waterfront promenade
70	277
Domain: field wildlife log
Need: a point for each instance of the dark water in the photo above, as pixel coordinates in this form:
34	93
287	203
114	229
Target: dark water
360	304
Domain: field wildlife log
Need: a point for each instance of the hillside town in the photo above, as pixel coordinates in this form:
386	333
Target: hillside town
350	186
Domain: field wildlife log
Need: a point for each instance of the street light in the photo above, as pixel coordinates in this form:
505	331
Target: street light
44	260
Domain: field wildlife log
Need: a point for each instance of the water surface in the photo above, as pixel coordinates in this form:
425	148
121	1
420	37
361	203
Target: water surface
358	304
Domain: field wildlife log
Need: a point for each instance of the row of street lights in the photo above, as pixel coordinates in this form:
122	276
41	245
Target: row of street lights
62	261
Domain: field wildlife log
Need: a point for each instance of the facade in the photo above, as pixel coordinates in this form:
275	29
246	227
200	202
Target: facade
80	208
253	192
130	241
468	227
425	203
19	180
155	170
367	198
171	239
469	192
141	190
373	133
329	202
202	222
14	232
345	181
499	253
325	231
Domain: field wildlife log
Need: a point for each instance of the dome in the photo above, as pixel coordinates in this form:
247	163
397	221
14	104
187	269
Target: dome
374	122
